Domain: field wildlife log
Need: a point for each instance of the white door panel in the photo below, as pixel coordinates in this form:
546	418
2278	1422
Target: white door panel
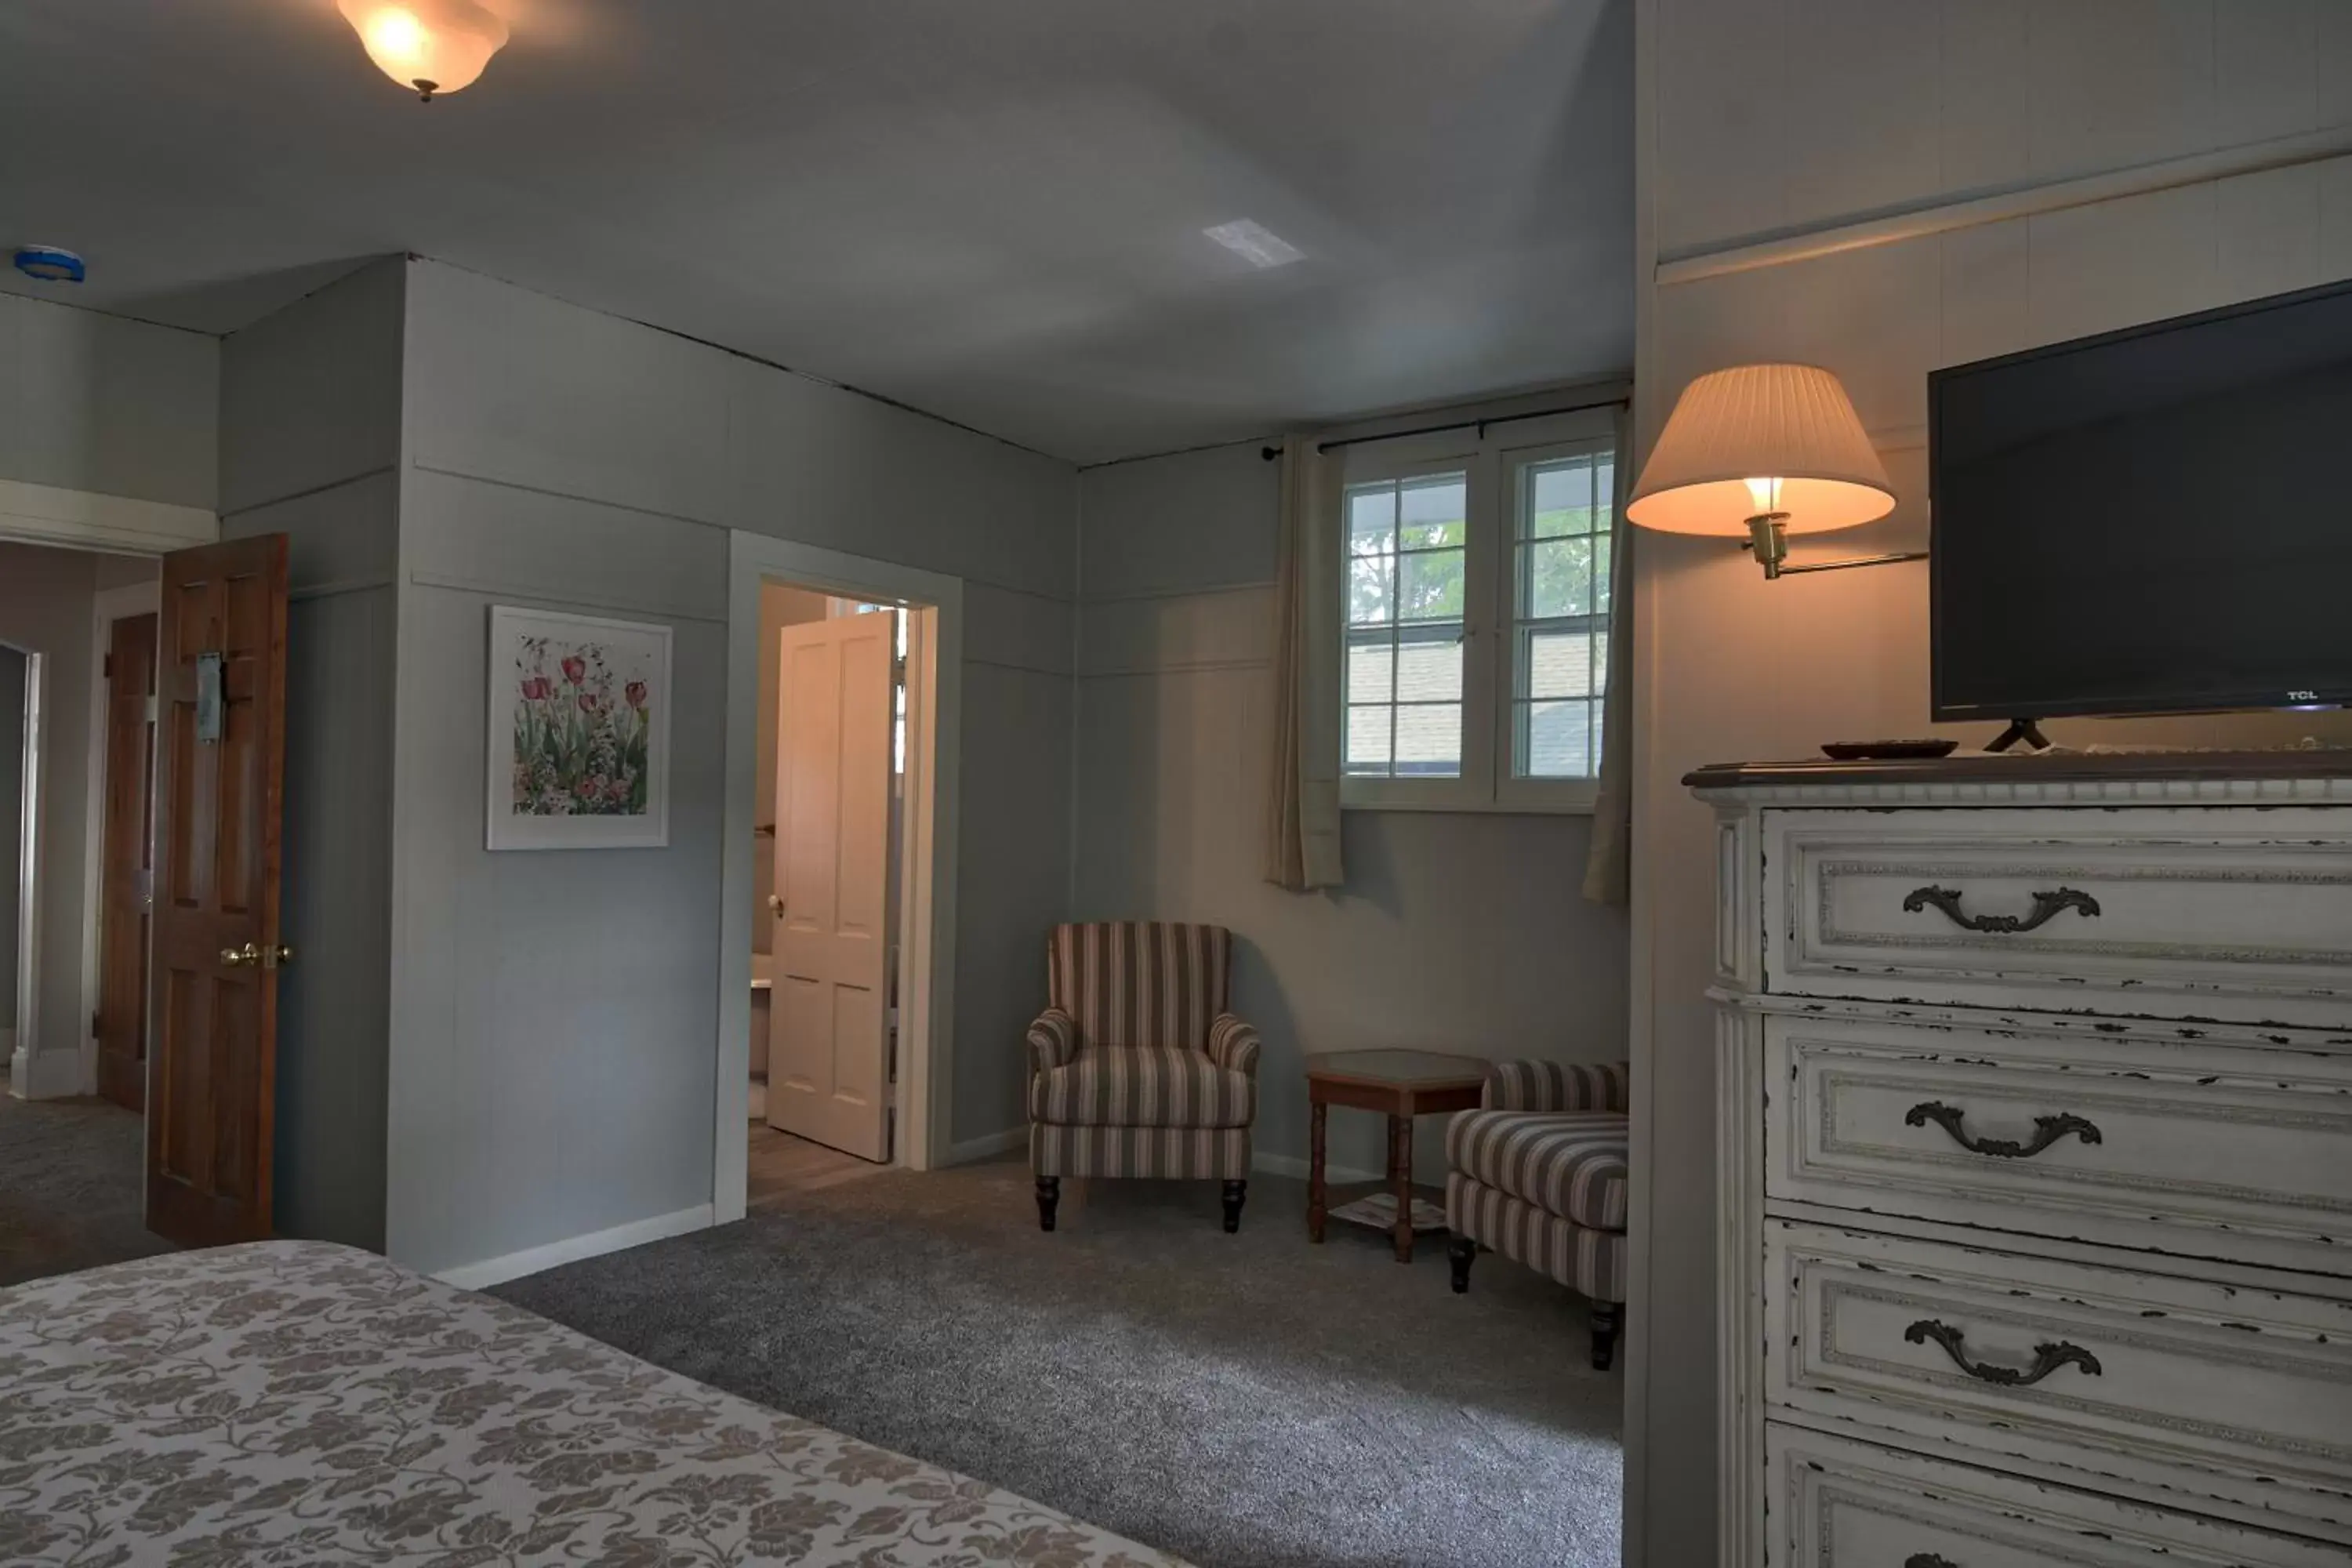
828	1047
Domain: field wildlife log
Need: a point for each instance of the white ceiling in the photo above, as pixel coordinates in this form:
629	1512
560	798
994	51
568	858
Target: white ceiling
991	210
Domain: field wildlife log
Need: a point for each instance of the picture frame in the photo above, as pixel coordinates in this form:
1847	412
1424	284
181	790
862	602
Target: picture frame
579	732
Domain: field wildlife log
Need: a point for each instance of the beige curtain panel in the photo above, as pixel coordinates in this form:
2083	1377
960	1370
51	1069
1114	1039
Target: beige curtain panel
1302	809
1609	863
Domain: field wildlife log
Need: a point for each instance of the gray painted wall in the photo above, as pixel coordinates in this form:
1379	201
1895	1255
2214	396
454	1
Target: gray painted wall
97	402
554	1013
1456	931
46	608
1897	109
12	809
310	448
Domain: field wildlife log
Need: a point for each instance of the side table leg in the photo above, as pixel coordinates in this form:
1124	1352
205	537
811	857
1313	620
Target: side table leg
1315	1195
1400	1177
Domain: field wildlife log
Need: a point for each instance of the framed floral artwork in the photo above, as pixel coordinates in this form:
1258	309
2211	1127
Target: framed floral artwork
579	732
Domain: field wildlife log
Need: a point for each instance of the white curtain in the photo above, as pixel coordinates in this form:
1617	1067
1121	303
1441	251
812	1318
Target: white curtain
1609	863
1303	814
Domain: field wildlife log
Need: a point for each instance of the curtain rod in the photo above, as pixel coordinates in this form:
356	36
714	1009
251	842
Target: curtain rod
1271	452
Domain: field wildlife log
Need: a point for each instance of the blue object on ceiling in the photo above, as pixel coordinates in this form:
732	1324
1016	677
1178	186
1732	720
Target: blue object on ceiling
49	264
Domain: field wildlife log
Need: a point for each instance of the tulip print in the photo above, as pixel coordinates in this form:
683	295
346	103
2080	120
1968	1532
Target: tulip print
577	753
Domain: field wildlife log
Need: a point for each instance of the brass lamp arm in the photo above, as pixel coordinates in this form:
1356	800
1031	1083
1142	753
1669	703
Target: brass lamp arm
1768	536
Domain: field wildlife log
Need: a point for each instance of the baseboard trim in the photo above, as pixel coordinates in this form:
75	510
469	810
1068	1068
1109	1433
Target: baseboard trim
1290	1165
989	1147
595	1243
44	1075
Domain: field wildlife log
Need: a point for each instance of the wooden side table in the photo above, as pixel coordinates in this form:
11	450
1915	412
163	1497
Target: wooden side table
1403	1084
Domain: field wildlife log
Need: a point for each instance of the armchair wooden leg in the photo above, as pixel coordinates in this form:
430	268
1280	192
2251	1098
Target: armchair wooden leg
1607	1316
1049	1193
1235	1192
1461	1252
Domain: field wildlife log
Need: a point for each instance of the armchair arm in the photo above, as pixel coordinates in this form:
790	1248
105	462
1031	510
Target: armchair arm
1557	1086
1052	1040
1233	1045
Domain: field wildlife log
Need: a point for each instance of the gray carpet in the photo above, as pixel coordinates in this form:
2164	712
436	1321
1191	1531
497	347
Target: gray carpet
1245	1401
72	1186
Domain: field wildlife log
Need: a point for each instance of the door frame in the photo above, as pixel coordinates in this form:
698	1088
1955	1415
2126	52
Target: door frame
23	1035
928	838
104	524
33	1073
109	605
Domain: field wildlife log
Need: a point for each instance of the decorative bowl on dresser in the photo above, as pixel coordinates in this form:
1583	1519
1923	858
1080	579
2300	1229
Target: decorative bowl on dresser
2034	1099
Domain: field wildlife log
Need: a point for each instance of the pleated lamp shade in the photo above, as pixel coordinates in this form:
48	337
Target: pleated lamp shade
1760	439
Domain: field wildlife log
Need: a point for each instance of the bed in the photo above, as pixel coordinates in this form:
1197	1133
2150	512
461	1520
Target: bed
297	1403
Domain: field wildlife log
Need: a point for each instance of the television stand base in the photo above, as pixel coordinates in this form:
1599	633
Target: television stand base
2019	730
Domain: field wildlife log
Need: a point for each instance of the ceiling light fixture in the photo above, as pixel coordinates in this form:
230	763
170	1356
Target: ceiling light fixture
432	47
1256	244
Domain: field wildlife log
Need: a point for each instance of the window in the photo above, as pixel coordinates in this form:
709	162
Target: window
1476	617
1407	582
1560	614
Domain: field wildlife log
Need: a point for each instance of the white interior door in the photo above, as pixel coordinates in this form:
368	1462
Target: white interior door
829	1005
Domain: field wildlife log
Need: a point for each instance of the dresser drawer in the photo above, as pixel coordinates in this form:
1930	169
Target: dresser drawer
1837	1503
2194	1147
2119	1376
2200	912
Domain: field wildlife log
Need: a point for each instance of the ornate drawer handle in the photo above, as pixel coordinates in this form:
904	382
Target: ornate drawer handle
2045	905
2047	1130
2047	1358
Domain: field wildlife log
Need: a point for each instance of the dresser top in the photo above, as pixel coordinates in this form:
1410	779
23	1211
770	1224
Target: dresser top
2027	769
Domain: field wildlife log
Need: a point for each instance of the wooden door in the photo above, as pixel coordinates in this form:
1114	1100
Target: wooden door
828	1004
126	872
219	769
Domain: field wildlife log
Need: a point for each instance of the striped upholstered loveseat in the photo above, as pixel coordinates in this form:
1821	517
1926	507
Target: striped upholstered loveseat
1136	1069
1537	1174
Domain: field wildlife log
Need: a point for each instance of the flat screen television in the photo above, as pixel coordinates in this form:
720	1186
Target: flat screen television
2154	521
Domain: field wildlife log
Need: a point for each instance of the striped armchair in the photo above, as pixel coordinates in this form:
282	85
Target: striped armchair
1537	1174
1136	1069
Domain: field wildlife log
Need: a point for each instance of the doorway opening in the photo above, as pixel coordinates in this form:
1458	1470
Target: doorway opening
78	667
827	862
839	871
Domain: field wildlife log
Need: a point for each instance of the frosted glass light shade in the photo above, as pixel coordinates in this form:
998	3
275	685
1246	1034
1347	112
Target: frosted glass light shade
431	46
1761	438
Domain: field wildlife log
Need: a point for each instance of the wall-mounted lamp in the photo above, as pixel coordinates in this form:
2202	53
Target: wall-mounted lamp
1765	450
430	46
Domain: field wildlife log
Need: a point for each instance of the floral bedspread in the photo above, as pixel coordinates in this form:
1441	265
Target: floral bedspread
296	1403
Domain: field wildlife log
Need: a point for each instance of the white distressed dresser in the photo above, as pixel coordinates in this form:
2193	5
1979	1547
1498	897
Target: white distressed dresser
2034	1090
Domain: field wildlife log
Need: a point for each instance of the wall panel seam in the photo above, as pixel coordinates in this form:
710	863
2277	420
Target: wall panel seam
1151	596
335	586
969	659
529	594
1181	667
723	527
360	477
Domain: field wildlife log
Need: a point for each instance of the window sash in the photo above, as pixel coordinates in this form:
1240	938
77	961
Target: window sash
1381	766
1494	692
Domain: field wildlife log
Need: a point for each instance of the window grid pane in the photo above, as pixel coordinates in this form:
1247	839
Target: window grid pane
1407	592
1559	596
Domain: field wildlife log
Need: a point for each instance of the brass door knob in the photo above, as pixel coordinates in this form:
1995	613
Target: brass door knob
776	905
240	957
272	957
